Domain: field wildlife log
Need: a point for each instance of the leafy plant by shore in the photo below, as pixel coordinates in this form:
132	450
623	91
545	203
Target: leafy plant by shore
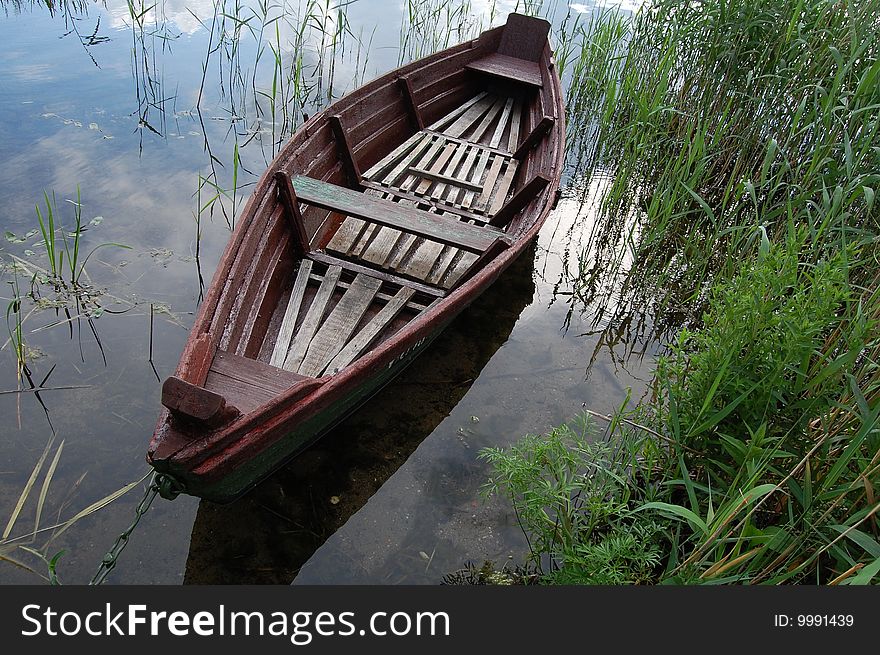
740	141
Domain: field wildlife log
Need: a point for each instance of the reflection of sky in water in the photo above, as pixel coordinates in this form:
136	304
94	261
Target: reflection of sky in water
67	122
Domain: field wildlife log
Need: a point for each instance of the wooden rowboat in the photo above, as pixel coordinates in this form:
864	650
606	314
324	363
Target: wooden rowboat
380	220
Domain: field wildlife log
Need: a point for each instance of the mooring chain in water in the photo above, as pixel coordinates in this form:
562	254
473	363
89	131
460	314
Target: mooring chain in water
159	485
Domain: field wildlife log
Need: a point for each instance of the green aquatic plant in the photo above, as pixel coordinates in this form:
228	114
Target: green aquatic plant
575	500
38	541
65	253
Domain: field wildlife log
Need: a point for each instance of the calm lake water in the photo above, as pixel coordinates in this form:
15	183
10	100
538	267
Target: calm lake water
163	120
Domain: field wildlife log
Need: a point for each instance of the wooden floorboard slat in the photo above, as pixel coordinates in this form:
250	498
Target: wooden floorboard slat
288	323
513	136
458	111
443	181
442	265
436	167
502	187
502	124
339	325
366	335
470	117
476	177
481	129
459	268
489	183
346	235
422	260
312	321
401	178
395	155
452	181
423	150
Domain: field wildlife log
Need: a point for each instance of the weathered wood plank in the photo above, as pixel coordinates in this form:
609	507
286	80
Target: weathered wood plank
365	240
482	146
312	321
253	373
441	190
491	115
248	384
288	323
436	167
502	187
442	265
395	155
489	183
423	156
401	250
470	117
412	305
339	325
458	268
422	260
445	179
502	124
476	176
383	243
346	235
435	205
385	212
513	137
366	335
452	193
382	275
455	113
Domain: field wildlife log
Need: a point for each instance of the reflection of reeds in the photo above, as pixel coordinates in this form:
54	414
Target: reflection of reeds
711	133
147	40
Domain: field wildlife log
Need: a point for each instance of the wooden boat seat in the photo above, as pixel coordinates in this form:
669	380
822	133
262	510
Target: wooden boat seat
510	68
522	43
396	215
391	235
234	385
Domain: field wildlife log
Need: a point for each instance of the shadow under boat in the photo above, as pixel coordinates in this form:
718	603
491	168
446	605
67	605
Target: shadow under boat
268	534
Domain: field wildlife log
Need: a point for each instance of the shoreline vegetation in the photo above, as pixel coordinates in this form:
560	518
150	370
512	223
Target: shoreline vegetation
740	139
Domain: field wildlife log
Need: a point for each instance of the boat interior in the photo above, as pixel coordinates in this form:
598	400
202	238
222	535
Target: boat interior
386	245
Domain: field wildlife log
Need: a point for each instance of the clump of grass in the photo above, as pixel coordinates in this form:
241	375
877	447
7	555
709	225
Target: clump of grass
574	500
65	253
